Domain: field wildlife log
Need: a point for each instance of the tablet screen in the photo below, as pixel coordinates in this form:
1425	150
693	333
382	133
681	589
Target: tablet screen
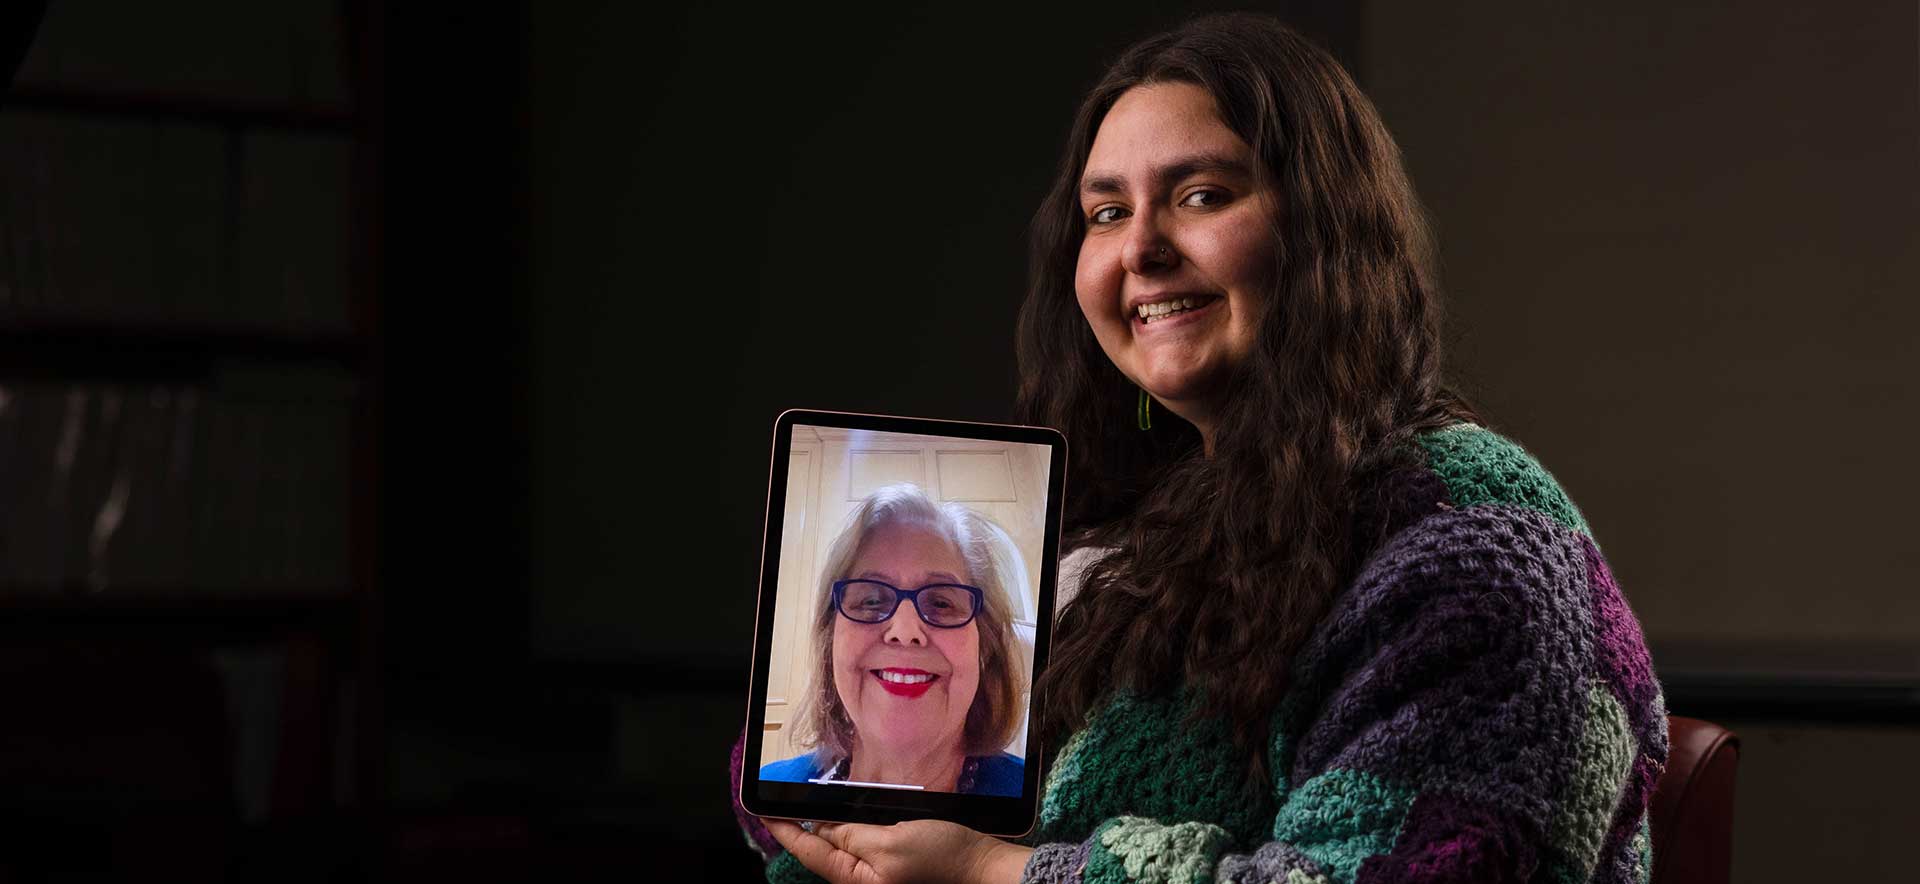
906	591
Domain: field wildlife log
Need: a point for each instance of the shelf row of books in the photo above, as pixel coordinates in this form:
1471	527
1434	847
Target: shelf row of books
288	52
236	487
143	222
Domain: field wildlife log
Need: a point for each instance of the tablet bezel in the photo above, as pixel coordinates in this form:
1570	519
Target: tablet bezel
990	814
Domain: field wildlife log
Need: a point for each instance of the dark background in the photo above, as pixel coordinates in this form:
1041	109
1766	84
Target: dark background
589	251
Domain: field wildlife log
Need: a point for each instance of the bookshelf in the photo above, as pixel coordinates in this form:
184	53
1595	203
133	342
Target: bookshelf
190	369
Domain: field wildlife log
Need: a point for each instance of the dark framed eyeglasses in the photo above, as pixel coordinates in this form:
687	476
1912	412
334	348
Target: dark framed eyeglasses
945	605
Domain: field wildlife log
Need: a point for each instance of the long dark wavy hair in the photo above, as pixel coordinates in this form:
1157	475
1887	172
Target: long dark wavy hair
1225	563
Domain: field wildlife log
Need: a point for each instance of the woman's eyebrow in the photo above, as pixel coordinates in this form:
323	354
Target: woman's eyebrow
1103	183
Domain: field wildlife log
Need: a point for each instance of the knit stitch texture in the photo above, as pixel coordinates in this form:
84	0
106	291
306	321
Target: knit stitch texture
1478	706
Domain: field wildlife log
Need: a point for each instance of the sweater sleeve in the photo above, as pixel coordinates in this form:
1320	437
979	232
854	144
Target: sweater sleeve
782	867
1478	707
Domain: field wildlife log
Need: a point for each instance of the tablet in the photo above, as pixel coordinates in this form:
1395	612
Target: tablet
906	604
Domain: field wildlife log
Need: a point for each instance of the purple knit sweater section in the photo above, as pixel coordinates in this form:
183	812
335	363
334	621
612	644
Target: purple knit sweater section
1621	658
756	831
1456	661
1490	637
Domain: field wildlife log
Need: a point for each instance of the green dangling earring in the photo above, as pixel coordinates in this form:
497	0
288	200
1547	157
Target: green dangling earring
1146	410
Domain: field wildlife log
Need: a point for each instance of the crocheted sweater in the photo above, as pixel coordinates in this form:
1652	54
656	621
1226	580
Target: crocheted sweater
1478	706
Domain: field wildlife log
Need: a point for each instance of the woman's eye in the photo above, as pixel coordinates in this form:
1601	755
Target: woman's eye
1211	198
1101	216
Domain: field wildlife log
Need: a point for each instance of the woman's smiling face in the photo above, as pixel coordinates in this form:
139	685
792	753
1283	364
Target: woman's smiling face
906	685
1179	246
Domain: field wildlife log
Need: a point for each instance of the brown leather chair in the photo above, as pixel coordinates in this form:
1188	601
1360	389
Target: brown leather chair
1693	804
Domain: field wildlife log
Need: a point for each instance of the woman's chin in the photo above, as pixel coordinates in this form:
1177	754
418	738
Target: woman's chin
1182	385
908	727
903	739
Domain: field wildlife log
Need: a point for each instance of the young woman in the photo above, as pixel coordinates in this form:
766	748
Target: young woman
1329	629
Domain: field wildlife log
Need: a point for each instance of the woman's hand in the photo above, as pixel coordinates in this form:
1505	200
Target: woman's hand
913	852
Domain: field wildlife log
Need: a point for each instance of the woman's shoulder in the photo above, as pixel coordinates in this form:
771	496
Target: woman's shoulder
1493	598
1005	761
797	769
1003	774
1476	466
1468	495
1483	513
1492	548
1479	540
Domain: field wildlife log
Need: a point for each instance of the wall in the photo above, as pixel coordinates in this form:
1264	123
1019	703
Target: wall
1681	245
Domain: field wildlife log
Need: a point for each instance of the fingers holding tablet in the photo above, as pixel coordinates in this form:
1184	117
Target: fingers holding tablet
916	850
815	852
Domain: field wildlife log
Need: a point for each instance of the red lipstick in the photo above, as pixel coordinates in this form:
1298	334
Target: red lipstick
921	681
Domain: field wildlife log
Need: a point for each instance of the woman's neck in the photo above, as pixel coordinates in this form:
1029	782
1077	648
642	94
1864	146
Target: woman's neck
937	769
1202	414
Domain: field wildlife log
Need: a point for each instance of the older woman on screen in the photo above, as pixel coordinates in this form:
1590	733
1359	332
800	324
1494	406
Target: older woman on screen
916	678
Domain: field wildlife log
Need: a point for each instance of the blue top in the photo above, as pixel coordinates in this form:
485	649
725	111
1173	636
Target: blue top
1003	774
